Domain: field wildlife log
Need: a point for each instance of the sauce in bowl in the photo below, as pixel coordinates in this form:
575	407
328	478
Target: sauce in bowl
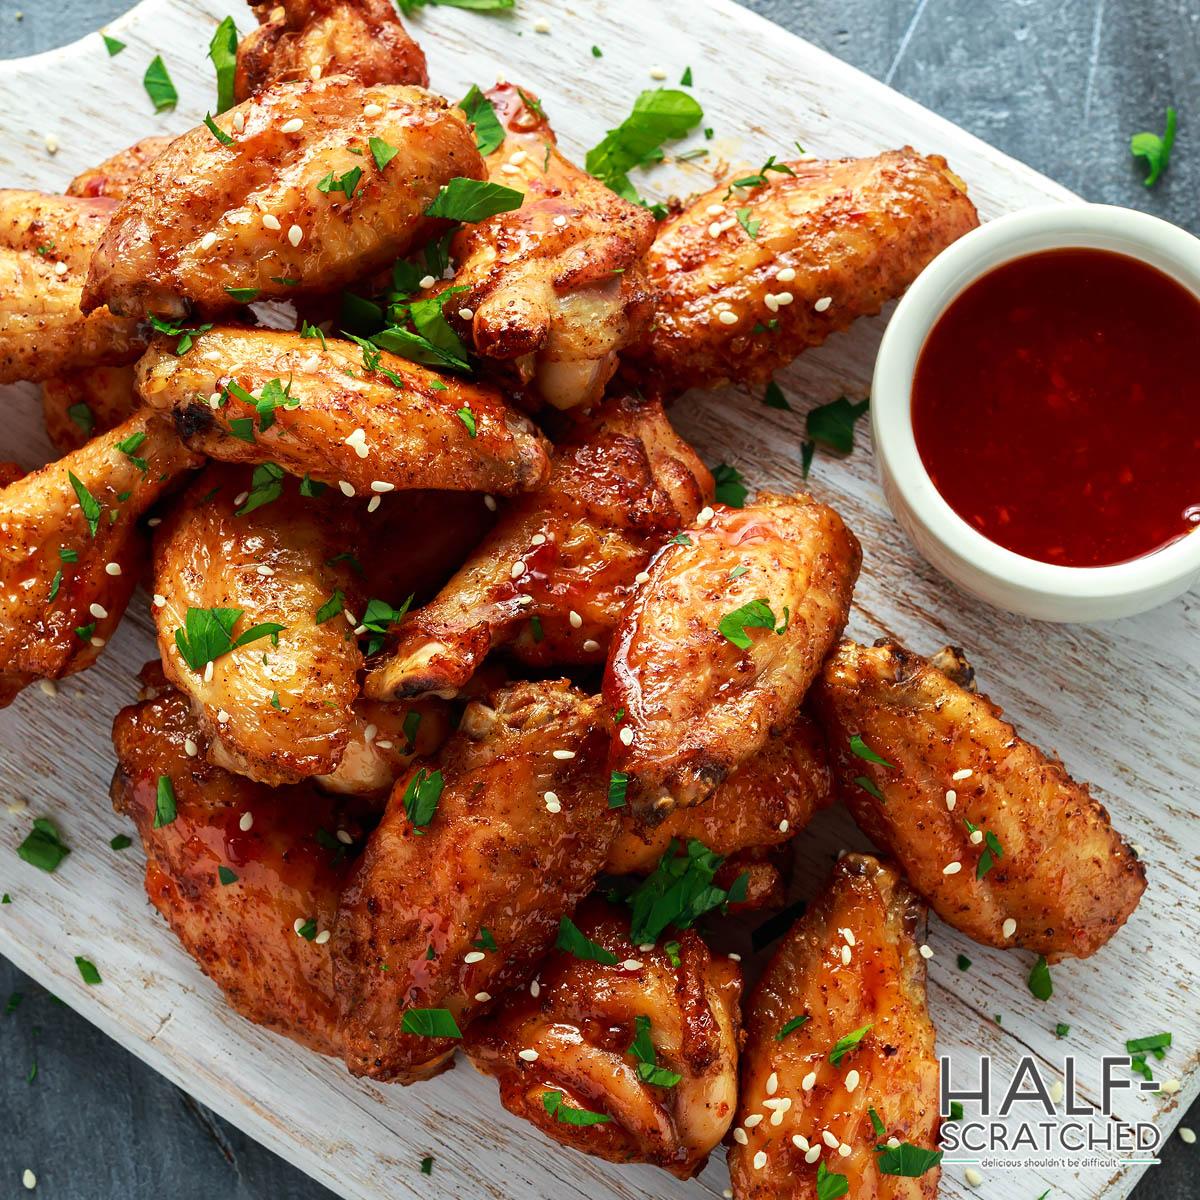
1056	407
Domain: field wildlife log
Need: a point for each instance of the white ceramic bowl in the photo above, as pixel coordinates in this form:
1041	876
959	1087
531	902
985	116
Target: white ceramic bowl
1002	577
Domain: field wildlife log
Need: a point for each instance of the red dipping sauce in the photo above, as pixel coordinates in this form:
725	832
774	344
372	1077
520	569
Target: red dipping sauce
1056	407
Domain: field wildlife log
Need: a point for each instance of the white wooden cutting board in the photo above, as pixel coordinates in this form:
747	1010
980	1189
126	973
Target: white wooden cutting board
1117	701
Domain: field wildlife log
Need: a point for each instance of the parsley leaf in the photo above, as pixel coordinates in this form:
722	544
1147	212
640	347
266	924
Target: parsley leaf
987	860
759	178
421	798
221	137
794	1023
679	891
467	417
1154	149
427	1165
87	969
430	1022
829	1186
165	810
121	842
863	751
381	151
175	329
1040	983
330	609
908	1160
807	450
409	727
552	1102
743	219
158	85
642	1048
832	424
128	445
1061	1030
82	416
222	50
730	488
686	80
112	45
481	113
88	505
964	963
574	941
773	397
266	484
868	786
378	621
55	584
485	941
208	633
43	848
618	785
473	200
341	183
755	615
845	1044
1157	1043
877	1122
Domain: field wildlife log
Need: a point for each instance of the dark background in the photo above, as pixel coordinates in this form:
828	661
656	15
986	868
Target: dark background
1060	84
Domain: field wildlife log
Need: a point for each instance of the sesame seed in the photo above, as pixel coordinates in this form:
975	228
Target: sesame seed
822	304
246	822
705	515
716	229
474	956
347	488
760	1159
372	504
976	837
538	539
208	672
734	957
489	502
528	1055
190	748
357	441
381	485
265	571
542	26
951	799
322	937
60	268
809	1081
925	952
222	716
238	122
642	577
973	1177
771	303
800	1141
1187	1135
96	641
564	755
813	1154
383	743
591	646
240	499
534	988
844	1150
830	1140
518	158
292	126
466	313
112	568
727	1193
646	947
1171	1086
427	281
371	730
778	1103
851	1080
965	773
314	72
849	936
372	110
575	619
483	997
214	401
271	222
893	1142
154	522
952	868
208	241
551	797
786	275
297	924
98	611
626	736
658	73
739	1135
715	210
509	169
560	221
727	318
784	825
51	144
753	1119
772	1084
1056	1091
29	1179
632	964
845	956
295	235
1009	927
517	569
778	1115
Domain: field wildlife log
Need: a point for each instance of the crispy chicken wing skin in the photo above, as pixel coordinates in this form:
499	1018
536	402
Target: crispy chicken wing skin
494	857
551	579
307	39
581	1025
105	394
46	243
63	586
115	176
878	981
695	703
836	241
357	430
242	933
556	286
764	802
1064	881
205	217
278	708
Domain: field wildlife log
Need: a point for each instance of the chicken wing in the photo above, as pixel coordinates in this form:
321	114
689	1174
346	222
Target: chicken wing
71	551
462	885
992	832
247	877
838	1035
308	39
275	707
552	578
85	403
258	395
46	243
764	803
262	212
716	650
817	245
649	1046
116	175
556	287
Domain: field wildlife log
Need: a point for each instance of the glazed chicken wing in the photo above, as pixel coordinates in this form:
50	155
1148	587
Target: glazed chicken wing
462	885
833	241
248	877
556	287
85	403
276	708
116	175
308	39
764	803
206	217
850	973
650	1047
992	832
258	395
716	650
46	243
552	578
71	550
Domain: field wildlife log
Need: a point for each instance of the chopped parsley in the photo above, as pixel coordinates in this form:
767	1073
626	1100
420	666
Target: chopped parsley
175	329
574	941
908	1160
1156	1044
55	584
243	295
863	751
266	485
481	113
409	727
536	631
218	133
679	891
87	970
43	848
759	178
473	200
1154	149
467	417
964	963
793	1024
341	183
225	875
730	487
113	45
845	1044
158	85
868	786
82	416
207	634
165	810
1040	983
307	929
751	227
311	488
755	615
127	446
773	397
330	609
430	1022
553	1103
877	1123
1061	1030
618	785
421	798
642	1049
378	620
832	424
427	1165
88	505
830	1186
686	79
381	151
222	50
807	449
485	941
121	842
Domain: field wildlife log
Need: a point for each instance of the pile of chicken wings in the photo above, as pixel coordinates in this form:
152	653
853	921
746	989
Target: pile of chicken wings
473	705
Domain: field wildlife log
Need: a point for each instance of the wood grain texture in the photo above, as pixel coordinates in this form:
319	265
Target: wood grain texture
1117	701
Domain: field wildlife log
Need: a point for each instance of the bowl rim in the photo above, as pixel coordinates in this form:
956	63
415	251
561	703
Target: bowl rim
1138	235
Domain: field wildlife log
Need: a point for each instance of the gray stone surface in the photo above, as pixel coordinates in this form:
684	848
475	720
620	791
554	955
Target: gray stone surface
1060	84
